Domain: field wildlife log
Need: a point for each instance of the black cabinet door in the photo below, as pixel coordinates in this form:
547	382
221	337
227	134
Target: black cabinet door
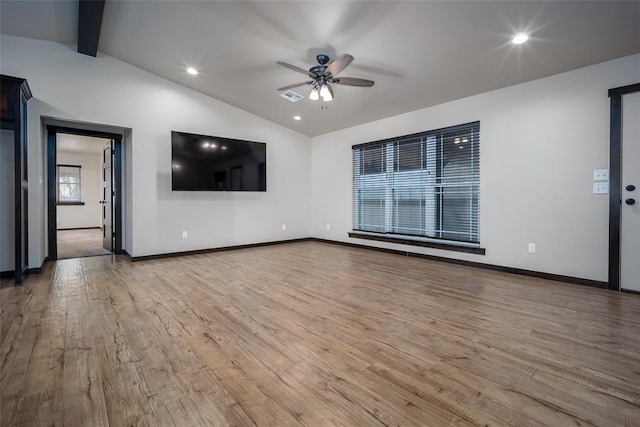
13	105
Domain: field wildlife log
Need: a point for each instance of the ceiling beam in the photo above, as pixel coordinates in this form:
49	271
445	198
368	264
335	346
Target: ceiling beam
89	23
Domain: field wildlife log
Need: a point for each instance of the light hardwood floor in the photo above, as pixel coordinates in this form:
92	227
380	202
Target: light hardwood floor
80	243
312	334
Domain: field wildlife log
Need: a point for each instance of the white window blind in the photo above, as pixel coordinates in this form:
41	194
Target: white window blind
69	183
425	185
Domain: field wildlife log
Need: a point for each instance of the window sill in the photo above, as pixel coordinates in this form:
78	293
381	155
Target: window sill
415	242
70	203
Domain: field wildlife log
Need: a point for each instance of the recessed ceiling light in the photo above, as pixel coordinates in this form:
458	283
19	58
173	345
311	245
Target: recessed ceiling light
192	71
519	38
297	118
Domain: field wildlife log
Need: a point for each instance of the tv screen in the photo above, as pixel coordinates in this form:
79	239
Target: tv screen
212	163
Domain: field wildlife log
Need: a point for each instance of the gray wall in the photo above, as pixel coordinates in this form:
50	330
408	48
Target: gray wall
103	90
540	142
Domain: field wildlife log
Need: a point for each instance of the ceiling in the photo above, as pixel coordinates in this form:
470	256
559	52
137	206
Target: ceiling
420	53
79	144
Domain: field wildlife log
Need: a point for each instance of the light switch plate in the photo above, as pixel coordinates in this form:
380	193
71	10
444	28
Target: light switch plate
600	188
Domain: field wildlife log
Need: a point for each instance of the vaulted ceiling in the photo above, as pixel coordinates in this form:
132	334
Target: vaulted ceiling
419	53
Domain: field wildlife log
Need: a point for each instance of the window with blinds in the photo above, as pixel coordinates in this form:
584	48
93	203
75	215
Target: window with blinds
69	184
423	185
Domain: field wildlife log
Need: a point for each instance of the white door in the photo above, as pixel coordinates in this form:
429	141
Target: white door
107	197
630	225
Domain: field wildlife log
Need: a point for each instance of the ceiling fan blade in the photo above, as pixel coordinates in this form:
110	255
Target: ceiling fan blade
339	64
298	69
295	85
352	81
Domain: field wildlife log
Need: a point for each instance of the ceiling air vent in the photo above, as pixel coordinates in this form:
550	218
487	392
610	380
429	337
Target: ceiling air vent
291	96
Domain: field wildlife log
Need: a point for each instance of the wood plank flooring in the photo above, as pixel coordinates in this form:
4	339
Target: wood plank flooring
78	243
312	334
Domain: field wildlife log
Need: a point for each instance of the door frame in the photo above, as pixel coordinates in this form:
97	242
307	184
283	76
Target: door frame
615	180
52	214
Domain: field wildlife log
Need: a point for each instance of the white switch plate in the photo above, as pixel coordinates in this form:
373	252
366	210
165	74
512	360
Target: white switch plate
328	226
185	234
600	188
532	248
601	175
284	226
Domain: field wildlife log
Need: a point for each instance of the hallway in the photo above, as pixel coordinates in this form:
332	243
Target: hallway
80	243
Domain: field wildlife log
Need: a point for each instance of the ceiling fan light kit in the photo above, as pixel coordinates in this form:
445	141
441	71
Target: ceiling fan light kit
314	95
325	93
323	76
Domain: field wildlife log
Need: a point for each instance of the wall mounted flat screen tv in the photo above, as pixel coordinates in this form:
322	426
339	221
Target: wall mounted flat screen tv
211	163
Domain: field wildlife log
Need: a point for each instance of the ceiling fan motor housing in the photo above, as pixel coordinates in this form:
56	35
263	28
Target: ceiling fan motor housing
319	70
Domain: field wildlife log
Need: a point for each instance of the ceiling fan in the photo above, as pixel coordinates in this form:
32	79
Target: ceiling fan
323	76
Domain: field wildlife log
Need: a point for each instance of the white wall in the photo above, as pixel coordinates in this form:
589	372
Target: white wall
89	214
7	197
71	86
539	142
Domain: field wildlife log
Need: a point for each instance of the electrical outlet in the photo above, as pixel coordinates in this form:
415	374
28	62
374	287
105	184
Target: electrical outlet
328	226
601	175
185	234
284	227
600	188
532	248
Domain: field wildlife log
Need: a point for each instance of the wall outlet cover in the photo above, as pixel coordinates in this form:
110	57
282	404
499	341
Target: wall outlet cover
601	175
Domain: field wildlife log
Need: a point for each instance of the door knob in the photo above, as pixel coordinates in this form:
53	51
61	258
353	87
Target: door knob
630	187
630	201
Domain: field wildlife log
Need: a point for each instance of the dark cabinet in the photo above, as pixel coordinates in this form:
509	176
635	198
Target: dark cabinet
14	94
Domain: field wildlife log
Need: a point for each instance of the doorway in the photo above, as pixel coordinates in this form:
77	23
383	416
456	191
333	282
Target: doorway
624	197
80	183
84	197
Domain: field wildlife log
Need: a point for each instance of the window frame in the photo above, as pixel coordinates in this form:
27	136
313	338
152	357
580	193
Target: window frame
79	201
427	140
